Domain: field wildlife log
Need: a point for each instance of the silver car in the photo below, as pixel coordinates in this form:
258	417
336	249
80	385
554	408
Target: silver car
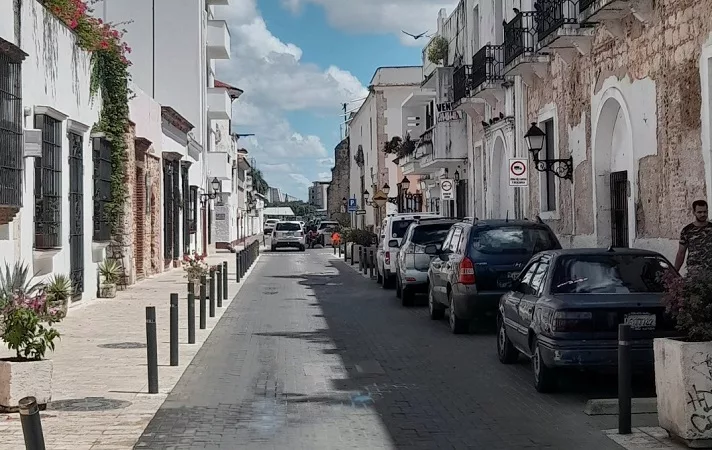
288	234
412	262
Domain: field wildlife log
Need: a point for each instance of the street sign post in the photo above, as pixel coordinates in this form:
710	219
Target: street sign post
518	176
361	212
352	205
447	190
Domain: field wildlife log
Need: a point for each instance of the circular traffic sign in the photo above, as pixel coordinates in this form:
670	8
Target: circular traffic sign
446	185
518	168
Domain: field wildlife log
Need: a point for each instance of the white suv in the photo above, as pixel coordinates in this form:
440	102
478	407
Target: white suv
288	234
392	231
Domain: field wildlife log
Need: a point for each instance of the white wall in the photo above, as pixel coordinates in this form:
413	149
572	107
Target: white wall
145	112
55	74
360	135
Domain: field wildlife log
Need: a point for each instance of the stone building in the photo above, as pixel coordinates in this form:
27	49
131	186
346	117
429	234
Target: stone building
339	187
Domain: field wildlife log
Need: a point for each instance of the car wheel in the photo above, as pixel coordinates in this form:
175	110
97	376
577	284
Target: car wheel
506	351
302	248
387	282
437	312
399	292
273	248
544	376
407	296
457	325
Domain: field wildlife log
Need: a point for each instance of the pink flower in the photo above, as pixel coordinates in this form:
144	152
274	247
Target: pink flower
73	24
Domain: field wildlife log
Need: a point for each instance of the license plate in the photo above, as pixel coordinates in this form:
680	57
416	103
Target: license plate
513	275
290	233
504	283
641	321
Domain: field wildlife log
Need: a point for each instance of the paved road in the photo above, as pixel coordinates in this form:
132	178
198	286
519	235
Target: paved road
316	357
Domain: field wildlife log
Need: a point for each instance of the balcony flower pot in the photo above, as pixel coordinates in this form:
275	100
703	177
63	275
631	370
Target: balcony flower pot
683	366
20	379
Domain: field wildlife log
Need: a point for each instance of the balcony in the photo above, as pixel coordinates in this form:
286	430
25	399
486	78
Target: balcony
218	166
218	40
520	44
219	104
559	31
481	82
443	146
610	13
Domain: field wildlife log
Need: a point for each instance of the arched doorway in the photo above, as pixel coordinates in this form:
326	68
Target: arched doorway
614	174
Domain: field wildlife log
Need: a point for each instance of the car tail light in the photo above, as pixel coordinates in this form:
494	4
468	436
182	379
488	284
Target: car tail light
466	272
568	321
387	257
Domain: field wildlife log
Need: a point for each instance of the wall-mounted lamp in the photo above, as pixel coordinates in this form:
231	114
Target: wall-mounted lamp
562	168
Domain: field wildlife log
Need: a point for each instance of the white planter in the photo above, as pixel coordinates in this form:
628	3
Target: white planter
25	379
683	381
107	290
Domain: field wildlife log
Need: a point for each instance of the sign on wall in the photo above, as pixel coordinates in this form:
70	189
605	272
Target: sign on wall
447	190
518	176
352	205
446	112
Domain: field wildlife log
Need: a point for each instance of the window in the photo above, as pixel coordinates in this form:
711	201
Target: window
193	212
11	116
288	226
513	240
525	283
101	157
455	241
537	282
430	234
548	179
399	227
48	185
609	274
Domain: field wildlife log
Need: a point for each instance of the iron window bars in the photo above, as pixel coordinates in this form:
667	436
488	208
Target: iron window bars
101	157
11	117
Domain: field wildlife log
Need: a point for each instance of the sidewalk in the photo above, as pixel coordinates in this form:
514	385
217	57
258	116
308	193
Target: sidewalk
100	398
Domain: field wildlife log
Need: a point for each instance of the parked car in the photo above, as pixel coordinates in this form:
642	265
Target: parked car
269	225
393	229
288	234
412	263
565	307
477	264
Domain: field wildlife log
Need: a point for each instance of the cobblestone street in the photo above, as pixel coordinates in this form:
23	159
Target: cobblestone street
316	356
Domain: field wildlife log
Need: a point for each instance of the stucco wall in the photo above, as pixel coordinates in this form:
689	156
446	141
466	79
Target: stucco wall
654	74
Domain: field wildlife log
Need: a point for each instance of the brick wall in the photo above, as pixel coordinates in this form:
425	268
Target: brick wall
666	51
153	261
339	186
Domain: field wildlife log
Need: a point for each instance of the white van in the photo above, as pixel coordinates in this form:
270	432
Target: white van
393	230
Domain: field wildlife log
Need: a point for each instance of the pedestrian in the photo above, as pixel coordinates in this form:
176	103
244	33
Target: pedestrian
696	241
335	239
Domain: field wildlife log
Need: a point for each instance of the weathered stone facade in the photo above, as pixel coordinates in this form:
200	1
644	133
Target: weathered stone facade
146	212
339	187
652	73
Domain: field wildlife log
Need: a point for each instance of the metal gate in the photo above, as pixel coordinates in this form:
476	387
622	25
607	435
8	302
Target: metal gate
76	215
619	209
171	211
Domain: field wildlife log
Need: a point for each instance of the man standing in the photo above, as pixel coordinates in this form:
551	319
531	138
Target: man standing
696	241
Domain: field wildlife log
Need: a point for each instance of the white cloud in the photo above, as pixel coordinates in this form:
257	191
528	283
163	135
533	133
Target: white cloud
379	16
301	180
275	81
326	162
324	176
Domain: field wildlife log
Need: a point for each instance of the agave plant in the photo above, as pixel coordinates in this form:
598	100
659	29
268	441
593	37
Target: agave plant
59	288
17	281
110	270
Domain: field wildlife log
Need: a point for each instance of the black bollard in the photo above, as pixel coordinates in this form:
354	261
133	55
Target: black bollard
224	284
212	293
237	267
31	423
242	263
203	302
624	380
191	317
219	283
191	287
365	260
174	330
152	350
371	261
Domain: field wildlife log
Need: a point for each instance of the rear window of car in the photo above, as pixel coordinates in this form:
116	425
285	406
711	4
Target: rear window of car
399	227
513	240
609	274
271	221
288	226
430	234
324	225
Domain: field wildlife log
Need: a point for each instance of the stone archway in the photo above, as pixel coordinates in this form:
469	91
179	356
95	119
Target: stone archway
499	181
614	172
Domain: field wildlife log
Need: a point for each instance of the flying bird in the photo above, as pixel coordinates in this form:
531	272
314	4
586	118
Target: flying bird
416	37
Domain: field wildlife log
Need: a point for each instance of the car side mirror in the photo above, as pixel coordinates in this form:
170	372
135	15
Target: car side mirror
431	249
393	243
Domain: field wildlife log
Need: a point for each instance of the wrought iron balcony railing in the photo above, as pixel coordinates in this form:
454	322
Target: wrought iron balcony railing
519	35
553	14
461	83
584	4
487	65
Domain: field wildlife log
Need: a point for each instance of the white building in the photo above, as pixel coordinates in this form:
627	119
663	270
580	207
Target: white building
378	120
46	194
275	195
175	47
318	194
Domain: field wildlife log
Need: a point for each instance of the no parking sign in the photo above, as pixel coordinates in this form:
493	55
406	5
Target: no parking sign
518	175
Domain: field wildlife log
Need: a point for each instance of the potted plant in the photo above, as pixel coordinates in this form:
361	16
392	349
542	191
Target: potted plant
58	290
195	267
109	270
683	366
438	50
26	319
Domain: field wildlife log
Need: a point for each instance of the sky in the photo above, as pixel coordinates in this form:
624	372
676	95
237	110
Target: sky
298	61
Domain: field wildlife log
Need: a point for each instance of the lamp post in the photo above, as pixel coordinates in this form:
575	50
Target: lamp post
562	168
216	188
365	195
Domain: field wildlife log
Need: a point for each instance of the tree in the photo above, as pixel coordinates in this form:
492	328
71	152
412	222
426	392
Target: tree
258	181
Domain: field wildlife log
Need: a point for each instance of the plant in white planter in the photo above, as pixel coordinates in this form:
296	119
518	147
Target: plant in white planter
26	319
683	366
109	270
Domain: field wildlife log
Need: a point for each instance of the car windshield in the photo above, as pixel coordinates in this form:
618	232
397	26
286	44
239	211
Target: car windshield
513	239
609	274
430	234
400	227
288	226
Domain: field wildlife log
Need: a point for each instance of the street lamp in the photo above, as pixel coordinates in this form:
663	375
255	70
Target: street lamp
386	189
405	183
562	168
365	196
216	187
457	176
